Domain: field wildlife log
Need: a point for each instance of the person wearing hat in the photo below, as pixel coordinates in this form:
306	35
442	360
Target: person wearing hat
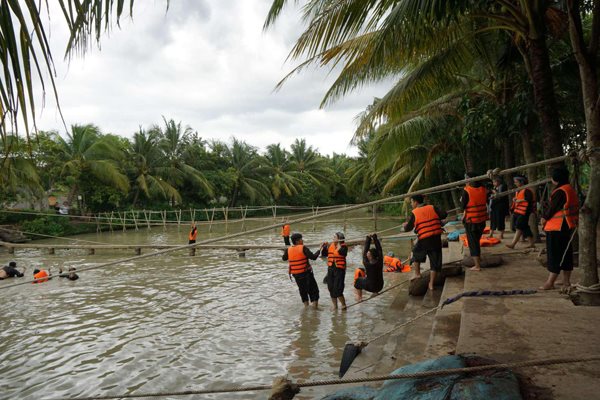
522	207
11	271
298	256
336	253
559	222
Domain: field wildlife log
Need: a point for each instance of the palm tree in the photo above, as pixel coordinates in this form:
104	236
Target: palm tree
310	163
18	172
86	151
146	156
282	175
175	171
248	169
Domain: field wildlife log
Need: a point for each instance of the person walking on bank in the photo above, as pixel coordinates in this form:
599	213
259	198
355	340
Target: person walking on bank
193	234
426	220
336	253
559	222
499	208
299	267
523	205
474	205
285	232
372	281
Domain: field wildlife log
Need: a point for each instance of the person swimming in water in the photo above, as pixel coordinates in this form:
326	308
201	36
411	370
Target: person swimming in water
11	271
71	275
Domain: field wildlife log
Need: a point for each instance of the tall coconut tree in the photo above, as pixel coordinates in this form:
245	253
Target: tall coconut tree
283	177
306	160
18	172
85	151
249	172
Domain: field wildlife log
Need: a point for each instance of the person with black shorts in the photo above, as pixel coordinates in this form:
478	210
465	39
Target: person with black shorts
373	263
499	207
522	207
474	205
11	271
426	220
297	256
336	253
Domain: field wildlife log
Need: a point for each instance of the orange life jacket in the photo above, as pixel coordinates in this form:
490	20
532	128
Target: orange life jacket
427	222
42	274
359	273
483	242
570	211
391	261
193	234
334	257
520	207
297	260
476	210
285	230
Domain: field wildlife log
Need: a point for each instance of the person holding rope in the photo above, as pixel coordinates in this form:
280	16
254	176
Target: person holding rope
285	232
299	267
11	271
559	222
193	234
474	205
336	253
426	220
499	207
522	207
372	281
42	275
72	275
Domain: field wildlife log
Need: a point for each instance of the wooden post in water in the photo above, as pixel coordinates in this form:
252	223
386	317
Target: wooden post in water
345	220
147	219
244	212
225	212
110	221
97	223
51	250
133	214
138	251
11	250
274	211
212	217
315	212
178	215
164	218
91	252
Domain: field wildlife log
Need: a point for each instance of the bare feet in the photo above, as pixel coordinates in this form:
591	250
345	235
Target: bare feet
510	246
475	269
547	287
415	276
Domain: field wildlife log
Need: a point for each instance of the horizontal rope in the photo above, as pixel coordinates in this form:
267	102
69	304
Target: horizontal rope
415	375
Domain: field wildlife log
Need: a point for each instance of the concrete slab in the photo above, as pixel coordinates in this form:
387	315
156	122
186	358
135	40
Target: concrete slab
544	325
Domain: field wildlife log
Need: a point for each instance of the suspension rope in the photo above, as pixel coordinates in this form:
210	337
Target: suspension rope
415	375
316	216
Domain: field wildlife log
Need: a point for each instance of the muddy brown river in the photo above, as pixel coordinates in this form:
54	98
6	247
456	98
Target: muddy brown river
176	322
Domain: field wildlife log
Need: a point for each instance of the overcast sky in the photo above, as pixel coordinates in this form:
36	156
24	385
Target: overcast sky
208	64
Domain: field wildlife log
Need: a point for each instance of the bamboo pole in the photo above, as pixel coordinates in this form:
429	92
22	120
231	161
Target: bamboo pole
212	217
110	221
375	217
244	212
225	212
164	218
134	220
178	215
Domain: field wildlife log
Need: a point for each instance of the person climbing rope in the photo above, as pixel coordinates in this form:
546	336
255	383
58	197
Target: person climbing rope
336	268
298	257
72	275
522	206
559	222
11	271
373	263
427	223
474	205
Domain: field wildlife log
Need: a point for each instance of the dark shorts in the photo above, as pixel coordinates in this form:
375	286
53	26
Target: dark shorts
435	257
559	250
474	233
369	286
335	281
307	286
521	222
286	240
498	219
191	241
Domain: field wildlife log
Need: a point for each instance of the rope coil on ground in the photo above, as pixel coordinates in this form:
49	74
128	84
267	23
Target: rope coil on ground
416	375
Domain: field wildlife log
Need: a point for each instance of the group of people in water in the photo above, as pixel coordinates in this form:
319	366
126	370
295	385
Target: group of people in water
478	205
39	275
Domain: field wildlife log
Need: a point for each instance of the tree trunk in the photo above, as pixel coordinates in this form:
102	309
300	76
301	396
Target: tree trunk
545	101
469	162
589	214
528	153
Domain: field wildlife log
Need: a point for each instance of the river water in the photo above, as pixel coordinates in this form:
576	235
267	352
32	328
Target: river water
176	322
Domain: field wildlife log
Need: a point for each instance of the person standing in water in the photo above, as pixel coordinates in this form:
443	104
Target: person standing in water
474	205
426	220
336	253
285	233
297	256
193	234
373	263
559	222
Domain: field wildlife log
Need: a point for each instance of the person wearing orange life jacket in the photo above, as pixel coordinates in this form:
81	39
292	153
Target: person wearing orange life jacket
298	257
559	222
474	205
336	253
393	264
522	207
193	234
285	233
41	275
426	220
